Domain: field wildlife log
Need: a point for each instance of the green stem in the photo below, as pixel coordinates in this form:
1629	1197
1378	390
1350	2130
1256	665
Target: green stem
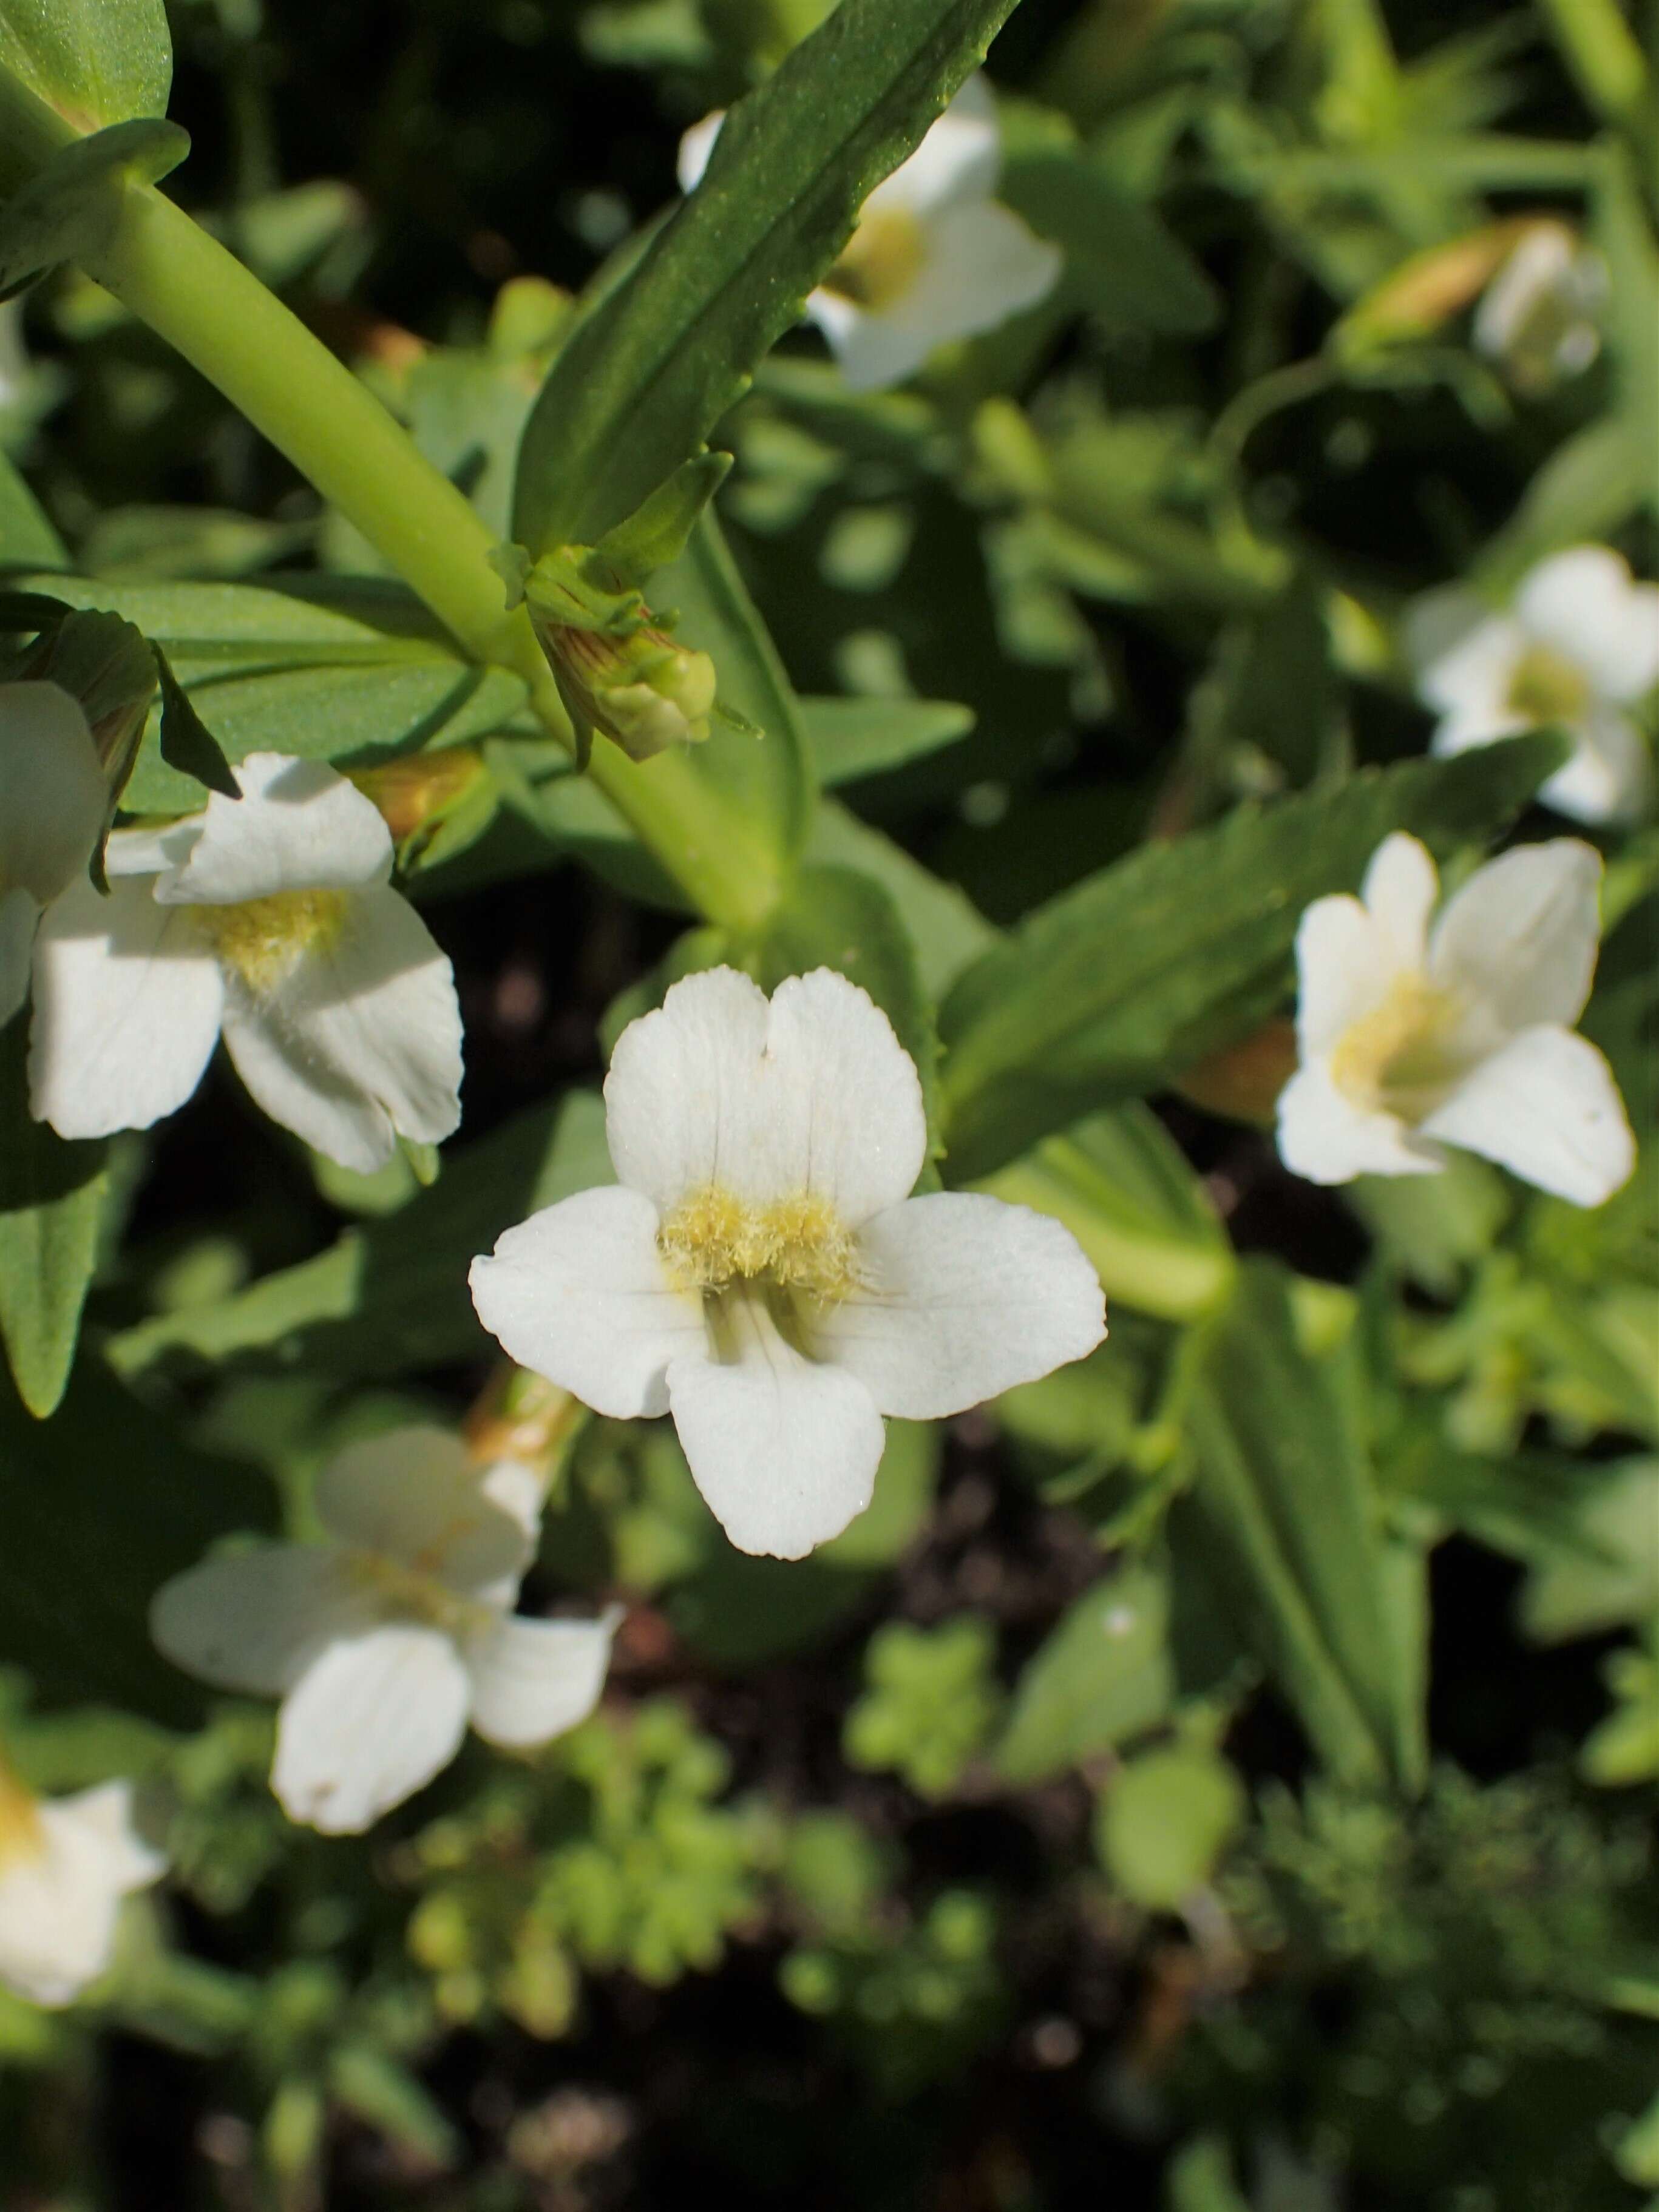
1602	56
189	289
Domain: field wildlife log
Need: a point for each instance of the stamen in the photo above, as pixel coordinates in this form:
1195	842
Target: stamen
713	1239
404	1593
263	939
1547	686
1399	1057
22	1833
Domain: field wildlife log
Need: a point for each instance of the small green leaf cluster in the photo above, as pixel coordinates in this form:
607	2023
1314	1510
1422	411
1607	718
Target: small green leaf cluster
930	1702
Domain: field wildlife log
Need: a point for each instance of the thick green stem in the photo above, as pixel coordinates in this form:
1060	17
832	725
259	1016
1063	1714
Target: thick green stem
171	275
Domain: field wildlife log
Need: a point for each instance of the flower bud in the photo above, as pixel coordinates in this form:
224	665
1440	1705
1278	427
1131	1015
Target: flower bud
642	691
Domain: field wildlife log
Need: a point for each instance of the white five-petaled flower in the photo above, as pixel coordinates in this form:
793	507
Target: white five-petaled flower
760	1269
1539	315
53	802
1578	644
65	1865
385	1640
270	920
1411	1037
933	257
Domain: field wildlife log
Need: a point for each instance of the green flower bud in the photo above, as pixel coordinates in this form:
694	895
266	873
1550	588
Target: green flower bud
642	691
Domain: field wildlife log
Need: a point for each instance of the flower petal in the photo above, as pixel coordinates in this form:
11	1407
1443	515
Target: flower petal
578	1294
695	147
368	1723
844	1113
1401	887
1344	965
682	1100
1465	656
1326	1137
532	1679
1537	271
412	1494
1609	775
254	1620
59	1909
959	159
20	911
56	794
1522	936
360	1043
127	1004
967	1297
299	825
784	1449
1547	1109
982	264
105	1810
1584	604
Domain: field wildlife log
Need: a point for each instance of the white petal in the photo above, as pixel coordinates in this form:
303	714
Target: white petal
254	1620
360	1043
1609	775
682	1100
298	825
784	1449
958	158
532	1679
1326	1137
695	147
371	1722
412	1494
54	788
1520	937
105	1810
153	852
1547	1109
19	913
1344	965
127	1004
1465	656
983	264
59	1907
1541	264
844	1113
1401	887
578	1294
1584	605
966	1297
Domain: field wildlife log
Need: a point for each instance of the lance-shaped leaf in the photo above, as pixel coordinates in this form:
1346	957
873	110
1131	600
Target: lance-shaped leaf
656	362
1116	985
52	1200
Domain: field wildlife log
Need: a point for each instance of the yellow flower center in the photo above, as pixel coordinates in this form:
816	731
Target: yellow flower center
713	1240
883	258
22	1833
263	939
1399	1058
404	1592
1547	687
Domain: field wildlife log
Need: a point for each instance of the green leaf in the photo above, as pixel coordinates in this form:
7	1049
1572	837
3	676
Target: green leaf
26	537
853	738
1624	231
837	917
946	929
98	1507
1112	989
392	1295
187	742
657	531
1165	1819
94	60
648	373
1123	1188
271	672
1283	1520
1122	262
1610	1576
51	1201
1103	1675
67	210
768	776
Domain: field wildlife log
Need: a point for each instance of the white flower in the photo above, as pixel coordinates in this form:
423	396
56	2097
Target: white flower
268	919
1411	1037
65	1864
934	256
1579	644
1538	314
52	803
384	1641
761	1270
